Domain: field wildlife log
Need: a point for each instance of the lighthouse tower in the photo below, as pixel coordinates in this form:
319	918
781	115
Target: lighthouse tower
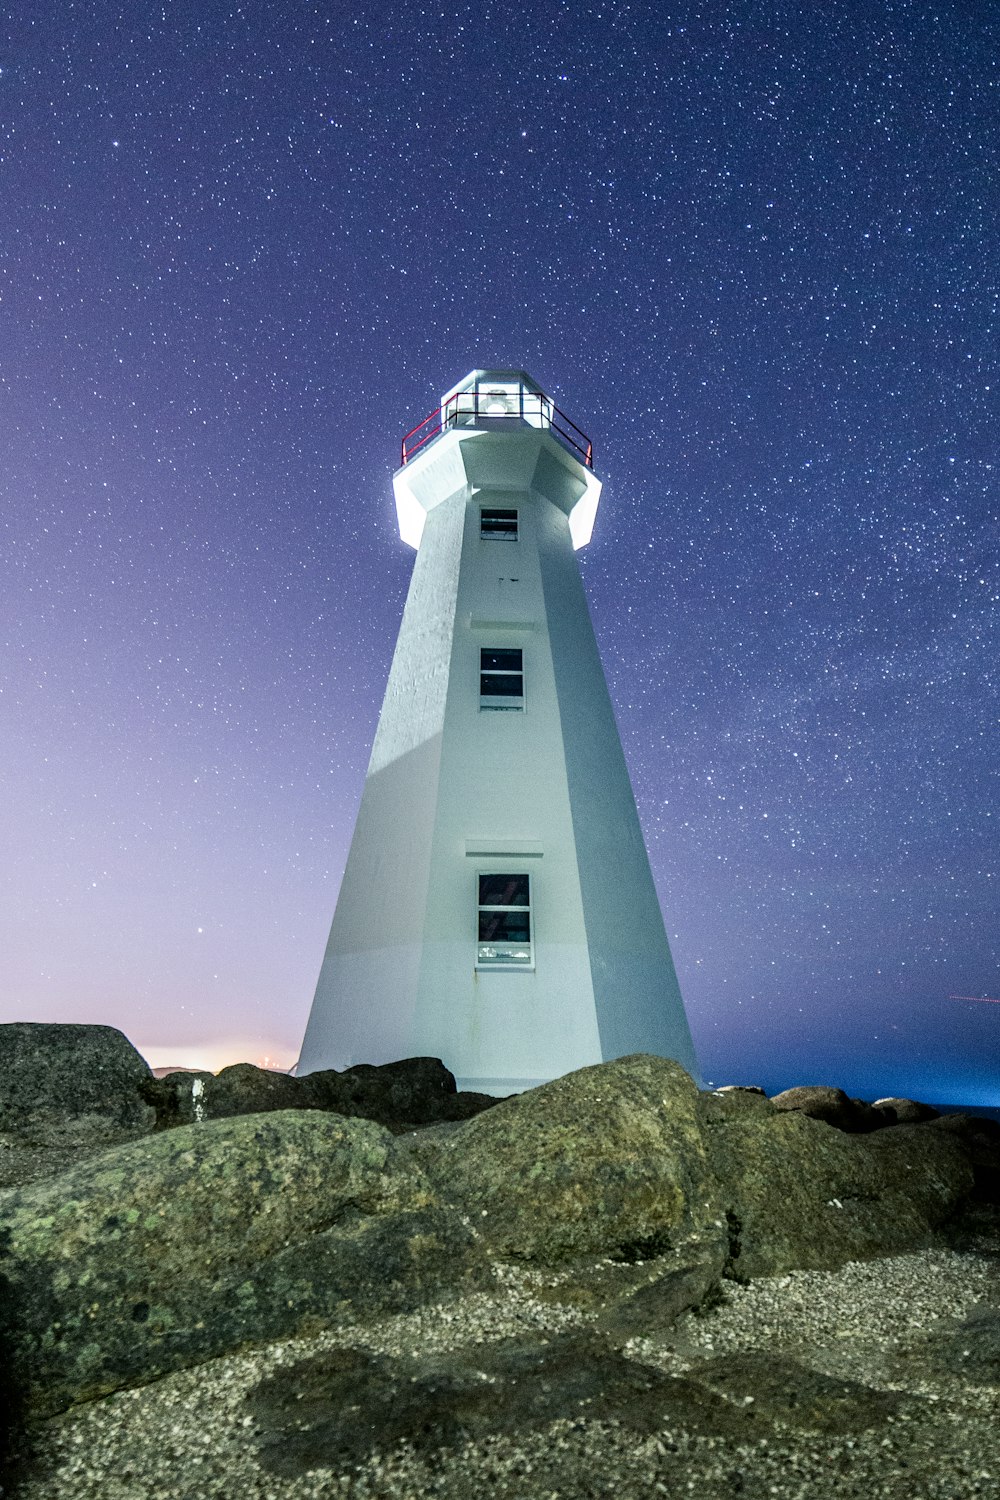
497	909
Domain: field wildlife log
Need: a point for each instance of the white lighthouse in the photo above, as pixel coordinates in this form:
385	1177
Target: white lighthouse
497	909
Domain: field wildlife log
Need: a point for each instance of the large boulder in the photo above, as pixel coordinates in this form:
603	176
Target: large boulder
800	1194
821	1102
167	1251
52	1072
905	1111
606	1161
399	1095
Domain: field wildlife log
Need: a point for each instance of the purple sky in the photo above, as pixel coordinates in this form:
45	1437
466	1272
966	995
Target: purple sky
751	248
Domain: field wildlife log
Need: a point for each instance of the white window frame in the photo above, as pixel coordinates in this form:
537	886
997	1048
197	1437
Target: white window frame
498	702
515	966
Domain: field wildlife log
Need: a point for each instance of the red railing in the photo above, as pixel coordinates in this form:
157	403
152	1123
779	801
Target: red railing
468	408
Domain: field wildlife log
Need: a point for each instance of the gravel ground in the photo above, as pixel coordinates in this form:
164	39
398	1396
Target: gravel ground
920	1332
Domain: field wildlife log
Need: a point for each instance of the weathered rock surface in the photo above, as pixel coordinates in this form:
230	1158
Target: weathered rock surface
416	1091
177	1098
904	1111
240	1089
979	1138
788	1390
840	1367
627	1192
730	1103
340	1407
47	1147
654	1307
52	1072
799	1194
399	1095
162	1253
606	1161
832	1106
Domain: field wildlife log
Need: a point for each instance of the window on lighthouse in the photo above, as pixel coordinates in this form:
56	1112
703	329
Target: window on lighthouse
498	525
504	939
501	677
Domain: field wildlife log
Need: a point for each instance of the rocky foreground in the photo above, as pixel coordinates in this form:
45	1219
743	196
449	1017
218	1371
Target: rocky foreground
365	1284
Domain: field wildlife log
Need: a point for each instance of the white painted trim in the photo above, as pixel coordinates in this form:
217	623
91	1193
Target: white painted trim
518	625
492	848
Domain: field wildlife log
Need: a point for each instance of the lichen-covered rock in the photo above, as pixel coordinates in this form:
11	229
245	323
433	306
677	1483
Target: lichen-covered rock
63	1071
800	1195
605	1161
731	1101
979	1138
165	1252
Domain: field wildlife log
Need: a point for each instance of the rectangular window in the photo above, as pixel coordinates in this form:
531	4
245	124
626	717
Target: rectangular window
501	677
498	525
504	917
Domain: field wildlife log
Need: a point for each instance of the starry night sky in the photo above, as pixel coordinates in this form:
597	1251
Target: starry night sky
751	248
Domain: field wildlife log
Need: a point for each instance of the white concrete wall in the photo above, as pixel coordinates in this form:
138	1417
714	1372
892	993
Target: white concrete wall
637	999
506	790
363	1010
